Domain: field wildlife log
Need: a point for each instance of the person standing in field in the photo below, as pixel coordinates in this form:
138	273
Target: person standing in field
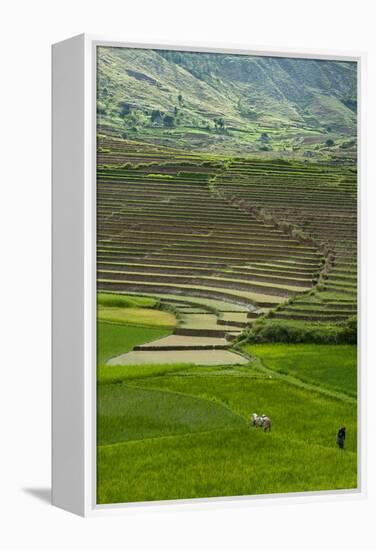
341	436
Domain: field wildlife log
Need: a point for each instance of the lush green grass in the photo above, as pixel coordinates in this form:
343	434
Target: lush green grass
126	413
137	316
299	454
107	299
309	416
132	310
219	463
113	339
180	431
121	373
333	366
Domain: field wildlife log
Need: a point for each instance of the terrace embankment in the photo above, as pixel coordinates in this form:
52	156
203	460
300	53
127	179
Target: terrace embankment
240	233
315	203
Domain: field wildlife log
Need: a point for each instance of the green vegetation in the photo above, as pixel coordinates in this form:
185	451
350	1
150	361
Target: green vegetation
137	316
269	395
126	414
132	310
226	222
122	300
121	373
298	455
219	463
256	105
290	331
178	431
333	366
224	229
113	339
223	265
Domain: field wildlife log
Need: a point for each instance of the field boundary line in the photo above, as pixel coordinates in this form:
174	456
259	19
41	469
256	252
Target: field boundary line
224	429
215	400
259	365
169	436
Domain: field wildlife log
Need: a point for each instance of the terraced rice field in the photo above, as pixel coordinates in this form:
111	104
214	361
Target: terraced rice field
226	274
193	251
319	202
225	241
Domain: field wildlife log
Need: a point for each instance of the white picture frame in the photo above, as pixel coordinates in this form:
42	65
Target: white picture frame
74	277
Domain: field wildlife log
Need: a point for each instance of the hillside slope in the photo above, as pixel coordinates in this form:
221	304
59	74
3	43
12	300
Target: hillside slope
228	103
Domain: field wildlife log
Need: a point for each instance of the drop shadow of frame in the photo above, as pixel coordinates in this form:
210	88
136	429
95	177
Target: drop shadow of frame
41	493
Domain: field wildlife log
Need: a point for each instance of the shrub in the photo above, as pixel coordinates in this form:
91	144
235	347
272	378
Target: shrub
169	121
219	122
101	108
156	116
350	103
348	144
349	332
275	331
125	109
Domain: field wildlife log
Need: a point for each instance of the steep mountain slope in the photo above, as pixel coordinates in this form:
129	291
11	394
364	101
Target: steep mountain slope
226	102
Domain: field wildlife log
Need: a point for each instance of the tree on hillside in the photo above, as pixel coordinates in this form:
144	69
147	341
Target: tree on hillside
156	116
180	99
125	109
329	143
219	122
101	108
169	121
351	103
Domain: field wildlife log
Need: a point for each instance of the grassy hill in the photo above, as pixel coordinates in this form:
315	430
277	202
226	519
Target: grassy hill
228	103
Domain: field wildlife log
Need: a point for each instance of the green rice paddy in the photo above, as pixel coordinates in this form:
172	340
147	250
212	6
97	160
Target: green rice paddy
224	252
179	431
